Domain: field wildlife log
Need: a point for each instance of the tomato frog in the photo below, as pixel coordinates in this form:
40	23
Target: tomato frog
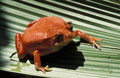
47	35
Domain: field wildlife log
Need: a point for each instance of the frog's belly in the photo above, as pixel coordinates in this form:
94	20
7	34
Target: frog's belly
55	48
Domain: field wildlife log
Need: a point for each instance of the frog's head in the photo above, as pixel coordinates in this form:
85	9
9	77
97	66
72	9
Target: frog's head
63	32
56	31
64	36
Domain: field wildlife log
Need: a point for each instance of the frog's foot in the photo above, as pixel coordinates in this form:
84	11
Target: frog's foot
94	44
89	38
43	69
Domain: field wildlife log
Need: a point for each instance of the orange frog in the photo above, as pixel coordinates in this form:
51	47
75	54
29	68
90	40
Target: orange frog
47	35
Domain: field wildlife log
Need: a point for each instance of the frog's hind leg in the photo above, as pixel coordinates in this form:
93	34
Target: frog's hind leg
19	46
31	23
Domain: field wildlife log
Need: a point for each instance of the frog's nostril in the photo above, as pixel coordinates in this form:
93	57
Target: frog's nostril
71	28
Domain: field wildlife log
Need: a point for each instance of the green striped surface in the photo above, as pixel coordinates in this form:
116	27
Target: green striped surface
99	18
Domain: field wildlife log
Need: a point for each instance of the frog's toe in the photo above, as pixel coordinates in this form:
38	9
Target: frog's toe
44	69
47	68
99	39
96	45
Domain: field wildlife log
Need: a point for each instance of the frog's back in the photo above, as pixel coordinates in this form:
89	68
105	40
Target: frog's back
44	28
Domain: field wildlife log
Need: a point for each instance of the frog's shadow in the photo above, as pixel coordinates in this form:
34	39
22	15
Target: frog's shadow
68	57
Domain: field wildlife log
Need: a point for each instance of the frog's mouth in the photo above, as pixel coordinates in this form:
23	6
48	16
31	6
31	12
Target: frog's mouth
66	40
63	38
63	43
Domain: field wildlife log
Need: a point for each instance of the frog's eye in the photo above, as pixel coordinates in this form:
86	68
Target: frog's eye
58	37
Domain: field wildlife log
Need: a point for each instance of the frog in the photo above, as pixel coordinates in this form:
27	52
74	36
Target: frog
47	35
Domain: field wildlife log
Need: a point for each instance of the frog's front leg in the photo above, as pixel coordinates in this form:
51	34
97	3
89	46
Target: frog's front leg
37	62
19	46
88	38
